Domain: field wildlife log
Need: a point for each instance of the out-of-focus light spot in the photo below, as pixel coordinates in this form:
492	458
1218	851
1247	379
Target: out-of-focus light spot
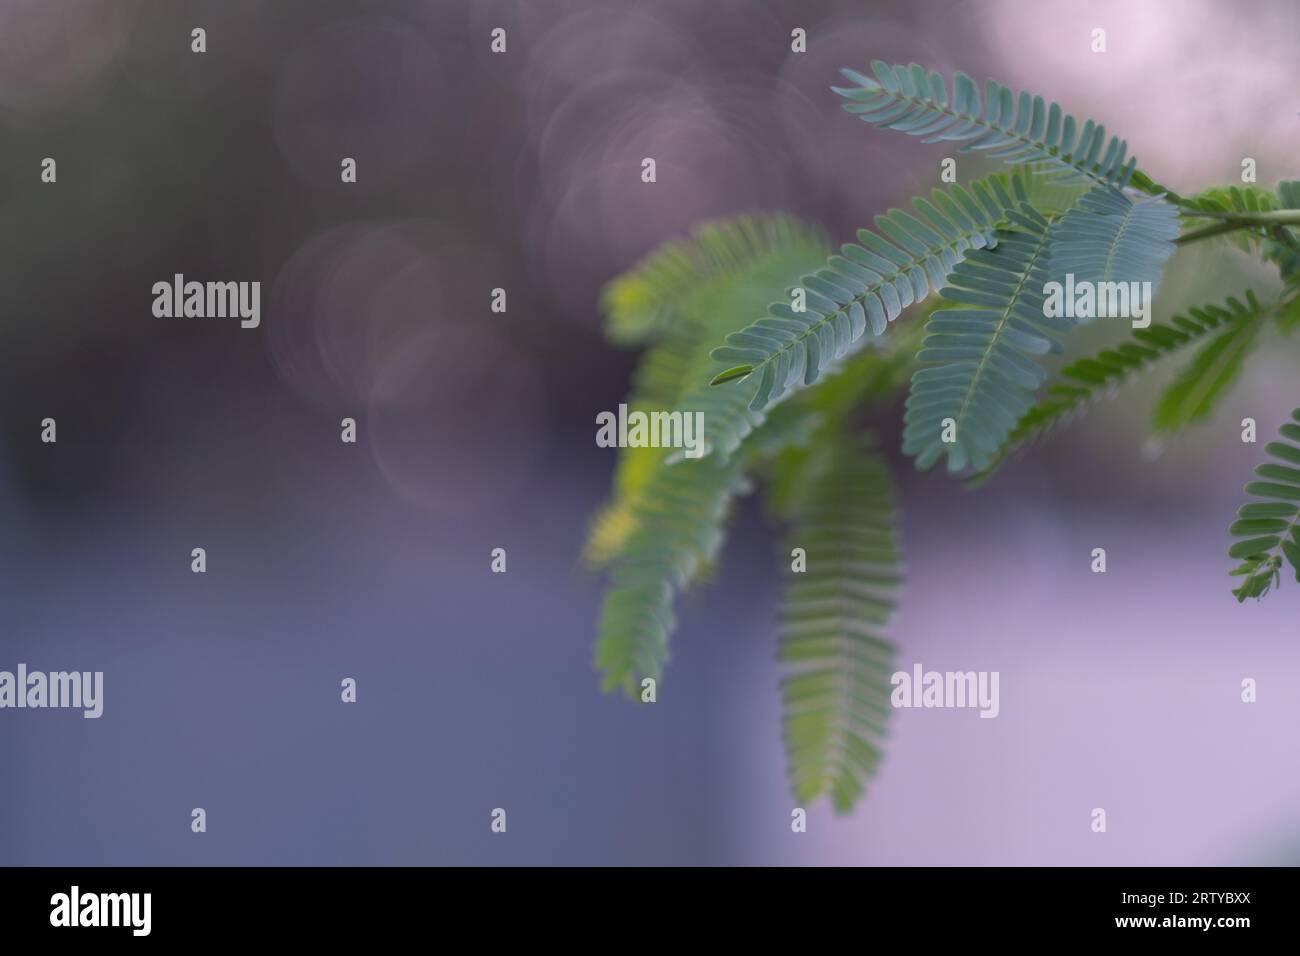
368	89
1181	82
581	49
51	52
328	333
852	168
161	63
457	418
390	324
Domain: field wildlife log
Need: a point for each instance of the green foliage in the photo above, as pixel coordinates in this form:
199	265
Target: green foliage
679	517
836	691
868	285
1269	529
1223	200
678	522
681	299
1285	248
663	528
1023	129
966	404
1288	313
785	395
1084	380
1107	237
1240	213
662	295
1197	389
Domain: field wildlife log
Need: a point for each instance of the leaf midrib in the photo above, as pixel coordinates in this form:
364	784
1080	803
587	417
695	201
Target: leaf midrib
1266	559
1095	391
1002	322
953	245
1114	245
1276	551
982	122
1243	337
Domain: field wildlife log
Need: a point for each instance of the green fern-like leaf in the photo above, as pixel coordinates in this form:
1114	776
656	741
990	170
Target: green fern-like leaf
665	524
678	523
1285	250
1193	395
867	286
681	513
1288	312
1084	381
1108	237
1224	200
1021	129
681	299
984	380
656	297
837	690
968	406
1269	529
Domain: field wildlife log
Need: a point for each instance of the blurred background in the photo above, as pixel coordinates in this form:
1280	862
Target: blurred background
476	690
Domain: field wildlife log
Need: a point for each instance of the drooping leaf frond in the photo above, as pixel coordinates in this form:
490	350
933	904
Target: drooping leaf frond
664	371
1269	529
654	297
663	528
1193	395
677	528
682	299
1108	237
837	690
867	286
681	514
678	520
1017	129
984	378
1085	380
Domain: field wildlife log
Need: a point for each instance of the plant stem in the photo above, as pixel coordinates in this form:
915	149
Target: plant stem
1232	221
1217	229
1281	217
